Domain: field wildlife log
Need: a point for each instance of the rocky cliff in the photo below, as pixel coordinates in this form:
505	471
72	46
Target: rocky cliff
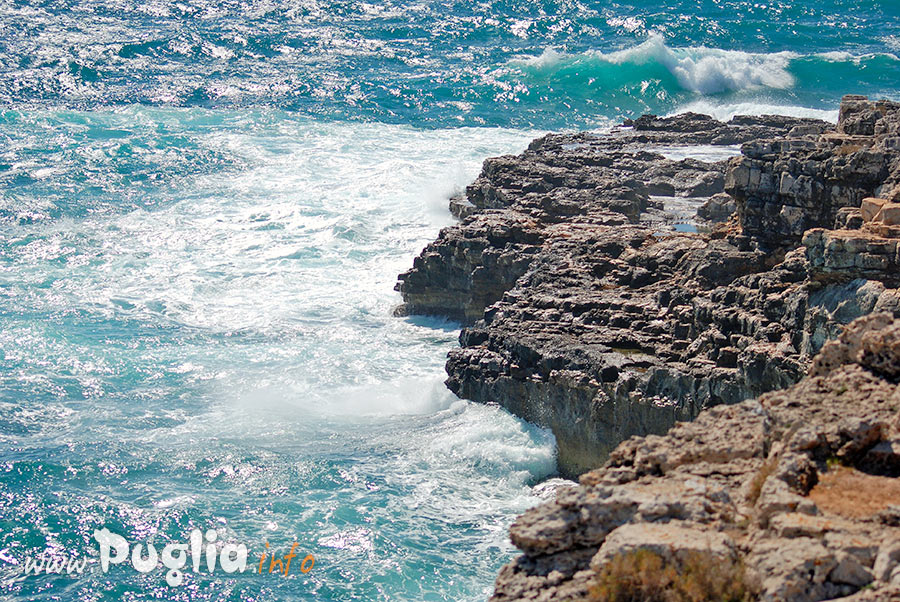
600	306
793	496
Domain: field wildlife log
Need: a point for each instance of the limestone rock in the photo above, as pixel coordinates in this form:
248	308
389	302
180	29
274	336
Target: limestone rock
756	497
588	313
674	542
718	208
584	178
785	187
871	208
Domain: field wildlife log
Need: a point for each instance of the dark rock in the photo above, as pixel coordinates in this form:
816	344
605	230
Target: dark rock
583	178
785	186
588	317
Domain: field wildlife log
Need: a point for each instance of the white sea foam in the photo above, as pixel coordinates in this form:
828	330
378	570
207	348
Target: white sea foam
725	111
698	69
548	58
838	56
707	153
630	24
264	361
711	70
403	396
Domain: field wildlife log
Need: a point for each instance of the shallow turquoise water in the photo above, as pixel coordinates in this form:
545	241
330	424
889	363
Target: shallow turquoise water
204	208
217	350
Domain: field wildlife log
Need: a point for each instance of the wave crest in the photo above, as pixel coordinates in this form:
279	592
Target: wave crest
711	70
696	69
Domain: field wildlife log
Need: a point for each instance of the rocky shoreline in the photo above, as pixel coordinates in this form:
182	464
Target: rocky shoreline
589	313
799	489
613	285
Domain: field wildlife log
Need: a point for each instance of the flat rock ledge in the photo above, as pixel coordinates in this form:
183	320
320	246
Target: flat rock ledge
613	284
799	488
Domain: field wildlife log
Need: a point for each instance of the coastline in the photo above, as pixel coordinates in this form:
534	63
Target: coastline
590	312
205	206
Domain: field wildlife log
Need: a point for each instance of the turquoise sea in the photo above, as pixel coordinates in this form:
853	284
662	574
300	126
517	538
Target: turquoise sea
203	209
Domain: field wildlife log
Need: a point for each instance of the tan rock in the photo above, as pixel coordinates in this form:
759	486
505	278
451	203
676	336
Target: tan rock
880	229
858	542
847	347
793	524
880	350
890	214
887	560
871	207
672	541
793	569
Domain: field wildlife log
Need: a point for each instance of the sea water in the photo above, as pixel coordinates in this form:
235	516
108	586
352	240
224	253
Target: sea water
204	209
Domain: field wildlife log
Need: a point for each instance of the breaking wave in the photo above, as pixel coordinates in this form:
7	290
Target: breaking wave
702	70
655	77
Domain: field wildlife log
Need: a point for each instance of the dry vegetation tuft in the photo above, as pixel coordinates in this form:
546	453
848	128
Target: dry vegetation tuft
759	479
644	576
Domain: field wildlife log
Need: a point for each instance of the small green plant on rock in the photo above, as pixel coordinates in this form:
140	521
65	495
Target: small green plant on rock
833	463
645	576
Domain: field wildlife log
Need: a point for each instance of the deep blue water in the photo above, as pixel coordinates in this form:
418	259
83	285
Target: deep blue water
441	64
203	210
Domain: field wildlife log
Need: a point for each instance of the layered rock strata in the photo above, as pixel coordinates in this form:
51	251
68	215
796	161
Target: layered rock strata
785	186
601	179
588	313
799	488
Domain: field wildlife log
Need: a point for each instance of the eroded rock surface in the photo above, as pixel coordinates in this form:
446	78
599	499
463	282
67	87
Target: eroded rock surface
786	185
598	179
799	485
590	314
